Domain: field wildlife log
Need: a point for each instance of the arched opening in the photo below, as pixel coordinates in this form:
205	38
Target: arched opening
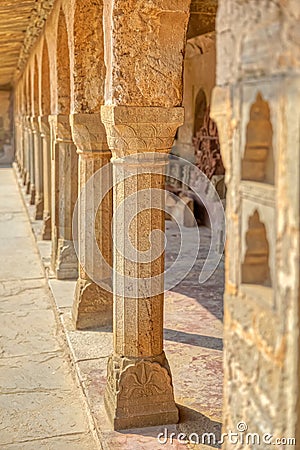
63	67
200	110
198	142
45	88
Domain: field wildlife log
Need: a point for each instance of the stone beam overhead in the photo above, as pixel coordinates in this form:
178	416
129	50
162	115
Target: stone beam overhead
20	24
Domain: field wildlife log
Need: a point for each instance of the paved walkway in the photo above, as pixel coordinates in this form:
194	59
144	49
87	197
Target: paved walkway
41	406
40	403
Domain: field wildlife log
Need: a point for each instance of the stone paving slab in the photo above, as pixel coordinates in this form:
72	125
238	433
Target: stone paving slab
28	332
77	441
41	404
33	415
24	295
35	373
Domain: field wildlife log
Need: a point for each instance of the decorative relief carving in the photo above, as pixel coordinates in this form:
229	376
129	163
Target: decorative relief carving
88	132
140	129
207	148
145	379
139	392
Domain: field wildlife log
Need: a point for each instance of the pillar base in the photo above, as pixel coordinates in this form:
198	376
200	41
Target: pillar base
46	231
27	184
32	194
24	177
139	392
66	266
39	210
93	305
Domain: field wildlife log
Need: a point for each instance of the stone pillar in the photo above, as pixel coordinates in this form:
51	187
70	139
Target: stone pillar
18	143
139	389
64	195
46	151
93	302
26	147
38	168
32	189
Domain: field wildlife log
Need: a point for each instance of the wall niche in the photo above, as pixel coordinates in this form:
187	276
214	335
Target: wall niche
255	268
258	161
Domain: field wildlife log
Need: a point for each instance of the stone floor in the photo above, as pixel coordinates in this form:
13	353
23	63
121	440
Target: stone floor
41	404
193	339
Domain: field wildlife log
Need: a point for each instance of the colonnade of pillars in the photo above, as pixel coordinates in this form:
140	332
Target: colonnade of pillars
56	156
132	123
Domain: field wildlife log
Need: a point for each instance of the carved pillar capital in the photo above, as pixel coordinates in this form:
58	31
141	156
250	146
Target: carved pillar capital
61	129
138	129
26	122
44	126
34	124
89	134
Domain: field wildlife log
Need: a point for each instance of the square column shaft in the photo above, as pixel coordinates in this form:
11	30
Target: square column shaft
139	389
38	168
46	151
64	195
93	296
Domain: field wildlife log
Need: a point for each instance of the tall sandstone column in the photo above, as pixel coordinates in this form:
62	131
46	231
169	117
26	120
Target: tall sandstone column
93	296
38	168
46	151
139	390
27	152
64	195
30	134
143	95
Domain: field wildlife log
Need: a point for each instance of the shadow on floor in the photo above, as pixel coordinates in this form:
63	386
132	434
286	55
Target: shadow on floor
208	431
193	426
193	339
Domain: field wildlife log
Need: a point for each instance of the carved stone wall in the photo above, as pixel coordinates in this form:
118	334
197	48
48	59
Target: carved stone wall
256	107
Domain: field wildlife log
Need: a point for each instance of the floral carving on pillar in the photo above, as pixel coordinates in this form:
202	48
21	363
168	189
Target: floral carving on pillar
145	379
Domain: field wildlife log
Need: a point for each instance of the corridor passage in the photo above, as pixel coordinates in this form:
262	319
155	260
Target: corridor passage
41	406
